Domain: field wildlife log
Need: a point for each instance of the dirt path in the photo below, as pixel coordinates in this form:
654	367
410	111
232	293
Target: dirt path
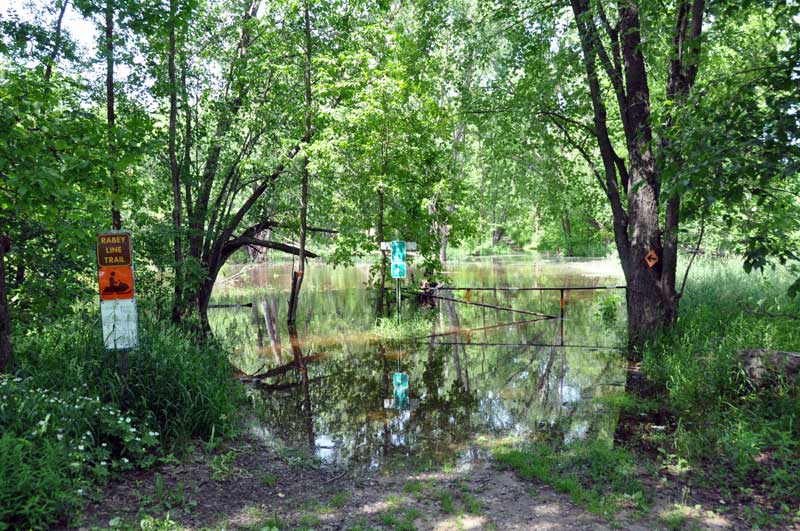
248	485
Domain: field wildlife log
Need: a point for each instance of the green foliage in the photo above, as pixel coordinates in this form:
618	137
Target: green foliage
180	387
64	431
414	487
223	466
446	500
36	488
339	500
59	444
726	428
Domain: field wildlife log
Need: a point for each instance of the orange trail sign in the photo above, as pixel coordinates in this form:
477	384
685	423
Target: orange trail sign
117	294
115	283
651	258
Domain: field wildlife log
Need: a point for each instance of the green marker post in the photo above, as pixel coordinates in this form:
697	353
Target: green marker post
398	268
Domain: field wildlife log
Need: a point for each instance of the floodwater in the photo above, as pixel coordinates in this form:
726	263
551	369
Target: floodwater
476	370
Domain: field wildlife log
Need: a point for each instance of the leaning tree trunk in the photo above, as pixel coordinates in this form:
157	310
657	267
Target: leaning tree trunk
6	353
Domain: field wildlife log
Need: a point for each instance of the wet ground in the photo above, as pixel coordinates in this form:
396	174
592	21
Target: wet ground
247	484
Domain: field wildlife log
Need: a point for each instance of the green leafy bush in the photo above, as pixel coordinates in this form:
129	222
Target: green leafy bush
96	436
37	487
65	430
56	446
179	387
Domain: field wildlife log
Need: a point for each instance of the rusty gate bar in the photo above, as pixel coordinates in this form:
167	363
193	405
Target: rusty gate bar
509	288
562	301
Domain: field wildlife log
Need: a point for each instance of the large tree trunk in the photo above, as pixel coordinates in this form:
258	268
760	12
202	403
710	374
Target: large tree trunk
649	292
652	297
6	352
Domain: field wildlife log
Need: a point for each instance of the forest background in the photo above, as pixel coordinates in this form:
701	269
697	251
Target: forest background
321	128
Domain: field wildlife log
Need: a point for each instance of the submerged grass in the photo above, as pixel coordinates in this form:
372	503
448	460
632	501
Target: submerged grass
412	324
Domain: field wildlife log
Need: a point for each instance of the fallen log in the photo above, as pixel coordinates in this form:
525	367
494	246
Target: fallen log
283	369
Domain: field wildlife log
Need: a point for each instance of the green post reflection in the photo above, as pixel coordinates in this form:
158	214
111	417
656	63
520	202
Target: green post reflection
481	371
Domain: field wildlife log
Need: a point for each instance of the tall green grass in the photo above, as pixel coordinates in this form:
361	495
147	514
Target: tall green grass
182	387
70	420
728	429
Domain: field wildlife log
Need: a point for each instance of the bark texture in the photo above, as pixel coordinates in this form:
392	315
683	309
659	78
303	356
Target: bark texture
633	186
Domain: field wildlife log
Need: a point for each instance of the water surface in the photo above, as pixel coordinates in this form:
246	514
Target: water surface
476	370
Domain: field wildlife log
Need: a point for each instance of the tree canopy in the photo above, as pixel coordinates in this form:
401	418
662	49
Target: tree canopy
211	128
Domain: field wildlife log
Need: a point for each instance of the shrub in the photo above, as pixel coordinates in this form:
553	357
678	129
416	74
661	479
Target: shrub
36	488
179	387
56	446
64	430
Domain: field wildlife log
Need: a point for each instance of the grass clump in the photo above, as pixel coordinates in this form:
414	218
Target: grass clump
446	500
413	324
339	500
471	504
414	487
728	429
596	476
677	518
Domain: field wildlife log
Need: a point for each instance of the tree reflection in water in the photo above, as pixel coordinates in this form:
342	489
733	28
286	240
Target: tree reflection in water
330	397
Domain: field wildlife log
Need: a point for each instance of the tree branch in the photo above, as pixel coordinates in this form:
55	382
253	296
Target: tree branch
237	243
584	154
